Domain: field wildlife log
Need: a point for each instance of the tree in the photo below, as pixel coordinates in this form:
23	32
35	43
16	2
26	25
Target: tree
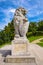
33	27
9	31
40	26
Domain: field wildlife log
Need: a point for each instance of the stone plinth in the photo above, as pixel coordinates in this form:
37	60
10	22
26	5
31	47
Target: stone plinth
19	46
20	59
20	52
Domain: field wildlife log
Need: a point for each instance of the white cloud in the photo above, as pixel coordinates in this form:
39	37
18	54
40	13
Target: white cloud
40	12
8	13
12	10
9	10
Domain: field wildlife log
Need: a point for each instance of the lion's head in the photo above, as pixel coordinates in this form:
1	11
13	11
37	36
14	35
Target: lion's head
22	10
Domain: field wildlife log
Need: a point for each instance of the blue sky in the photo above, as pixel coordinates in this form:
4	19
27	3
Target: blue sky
7	10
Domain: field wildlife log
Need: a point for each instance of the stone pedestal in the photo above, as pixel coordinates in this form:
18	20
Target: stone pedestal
20	53
21	59
19	46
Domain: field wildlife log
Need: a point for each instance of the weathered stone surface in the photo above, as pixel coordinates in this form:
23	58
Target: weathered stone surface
19	46
20	59
21	23
1	58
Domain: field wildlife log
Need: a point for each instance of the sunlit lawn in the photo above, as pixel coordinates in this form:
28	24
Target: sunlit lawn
32	38
40	43
5	44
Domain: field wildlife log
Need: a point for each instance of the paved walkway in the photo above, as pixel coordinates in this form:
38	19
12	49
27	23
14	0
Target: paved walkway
38	52
33	48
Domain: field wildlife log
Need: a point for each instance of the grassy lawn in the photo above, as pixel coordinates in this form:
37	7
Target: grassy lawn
41	40
40	43
32	38
5	44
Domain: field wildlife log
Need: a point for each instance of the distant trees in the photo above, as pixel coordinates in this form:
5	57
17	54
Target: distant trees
9	31
36	26
1	38
40	26
7	34
33	27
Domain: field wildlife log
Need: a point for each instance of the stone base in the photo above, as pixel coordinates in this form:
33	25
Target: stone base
20	59
19	46
20	53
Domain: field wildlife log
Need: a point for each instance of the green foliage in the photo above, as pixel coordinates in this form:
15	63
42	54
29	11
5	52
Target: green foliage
1	41
7	34
9	31
37	33
40	26
29	34
33	27
36	28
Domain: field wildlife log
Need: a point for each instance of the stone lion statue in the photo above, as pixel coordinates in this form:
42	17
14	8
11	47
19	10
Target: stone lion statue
20	22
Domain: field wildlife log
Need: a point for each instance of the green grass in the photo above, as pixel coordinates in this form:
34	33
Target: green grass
32	38
41	40
5	44
40	43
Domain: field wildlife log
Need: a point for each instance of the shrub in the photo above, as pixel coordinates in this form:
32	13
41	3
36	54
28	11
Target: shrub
38	33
